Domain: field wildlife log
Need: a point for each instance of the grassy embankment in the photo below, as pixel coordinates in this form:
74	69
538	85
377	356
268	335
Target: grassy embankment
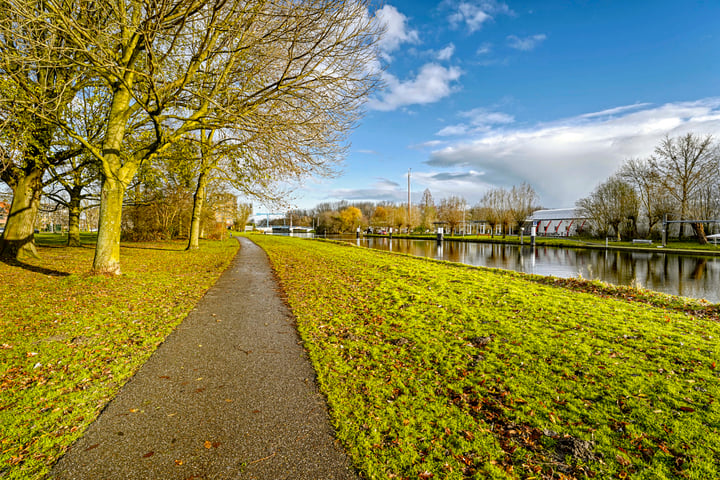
438	370
69	340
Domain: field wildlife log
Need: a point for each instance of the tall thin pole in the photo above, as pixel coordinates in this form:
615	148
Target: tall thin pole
409	170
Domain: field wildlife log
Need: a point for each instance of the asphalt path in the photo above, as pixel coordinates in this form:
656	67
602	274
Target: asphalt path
230	394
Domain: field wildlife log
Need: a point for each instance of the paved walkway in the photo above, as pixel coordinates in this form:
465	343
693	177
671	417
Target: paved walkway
229	395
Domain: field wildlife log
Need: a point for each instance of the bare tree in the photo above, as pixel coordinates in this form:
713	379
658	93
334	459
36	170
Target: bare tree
244	211
612	204
451	211
494	208
522	202
685	165
428	211
647	183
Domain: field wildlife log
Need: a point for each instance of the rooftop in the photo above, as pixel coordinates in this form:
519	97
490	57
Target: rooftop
556	214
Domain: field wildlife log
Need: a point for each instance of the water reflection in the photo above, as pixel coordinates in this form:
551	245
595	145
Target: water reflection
689	276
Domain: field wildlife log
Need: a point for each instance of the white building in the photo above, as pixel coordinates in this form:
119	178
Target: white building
558	222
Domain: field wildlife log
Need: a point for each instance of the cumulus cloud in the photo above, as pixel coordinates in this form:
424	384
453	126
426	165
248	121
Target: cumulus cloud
565	160
480	120
446	53
474	14
396	30
527	43
432	83
454	130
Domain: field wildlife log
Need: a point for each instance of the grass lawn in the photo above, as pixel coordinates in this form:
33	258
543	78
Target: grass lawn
69	340
439	370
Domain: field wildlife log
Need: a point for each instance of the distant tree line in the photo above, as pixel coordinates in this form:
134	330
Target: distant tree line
499	209
680	181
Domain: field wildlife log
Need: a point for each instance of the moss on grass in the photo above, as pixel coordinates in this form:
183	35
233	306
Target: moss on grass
68	340
437	370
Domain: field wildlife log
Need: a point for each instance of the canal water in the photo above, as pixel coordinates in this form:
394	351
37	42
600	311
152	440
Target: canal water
684	275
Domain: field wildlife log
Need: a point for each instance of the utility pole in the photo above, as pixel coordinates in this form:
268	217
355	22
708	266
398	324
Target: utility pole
409	170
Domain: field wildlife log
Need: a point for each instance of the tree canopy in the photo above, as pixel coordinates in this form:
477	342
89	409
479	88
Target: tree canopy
281	82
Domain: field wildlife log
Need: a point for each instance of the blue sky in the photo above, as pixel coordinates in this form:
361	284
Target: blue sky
483	94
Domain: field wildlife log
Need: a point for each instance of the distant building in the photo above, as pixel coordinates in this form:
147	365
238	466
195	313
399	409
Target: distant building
52	218
224	205
558	222
4	212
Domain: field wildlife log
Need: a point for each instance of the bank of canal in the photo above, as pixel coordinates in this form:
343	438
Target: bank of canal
688	275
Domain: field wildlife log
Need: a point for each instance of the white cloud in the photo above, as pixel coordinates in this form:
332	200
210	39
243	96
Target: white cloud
453	131
396	31
484	49
613	111
432	83
474	14
428	144
527	43
459	182
481	120
481	116
446	53
565	160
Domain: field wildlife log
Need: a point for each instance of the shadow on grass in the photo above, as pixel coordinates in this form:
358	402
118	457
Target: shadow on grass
169	248
33	268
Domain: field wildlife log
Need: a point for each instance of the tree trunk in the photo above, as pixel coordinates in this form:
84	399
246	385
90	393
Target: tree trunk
681	233
198	202
700	232
107	252
116	176
74	223
18	241
616	227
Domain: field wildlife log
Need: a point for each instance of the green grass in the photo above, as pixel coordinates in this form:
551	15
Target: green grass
438	370
48	239
69	341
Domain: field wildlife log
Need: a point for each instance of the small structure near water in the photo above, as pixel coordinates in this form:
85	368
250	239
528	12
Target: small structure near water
558	222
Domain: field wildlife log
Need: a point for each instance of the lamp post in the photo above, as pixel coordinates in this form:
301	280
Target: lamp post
409	205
